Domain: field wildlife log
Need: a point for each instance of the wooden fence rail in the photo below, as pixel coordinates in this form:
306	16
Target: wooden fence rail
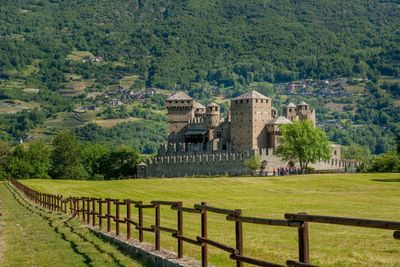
91	212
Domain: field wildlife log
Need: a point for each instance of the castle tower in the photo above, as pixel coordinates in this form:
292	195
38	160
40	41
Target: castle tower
305	113
213	115
180	111
199	110
274	130
289	111
250	112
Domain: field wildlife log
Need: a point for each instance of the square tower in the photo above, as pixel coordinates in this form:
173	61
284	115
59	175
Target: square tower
249	114
180	110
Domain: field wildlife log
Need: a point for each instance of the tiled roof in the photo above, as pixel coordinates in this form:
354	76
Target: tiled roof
198	105
252	95
282	120
179	96
291	105
302	103
212	104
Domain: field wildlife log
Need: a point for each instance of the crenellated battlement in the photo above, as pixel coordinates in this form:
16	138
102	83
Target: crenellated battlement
199	120
227	163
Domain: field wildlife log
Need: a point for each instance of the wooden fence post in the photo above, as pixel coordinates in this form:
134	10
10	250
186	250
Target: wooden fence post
157	224
204	252
180	228
304	252
100	215
93	211
140	221
88	210
239	236
128	218
116	217
77	206
83	209
108	215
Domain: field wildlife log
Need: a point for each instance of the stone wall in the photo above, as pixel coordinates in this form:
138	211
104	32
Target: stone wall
229	163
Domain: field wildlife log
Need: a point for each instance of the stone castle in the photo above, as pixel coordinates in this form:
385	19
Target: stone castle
203	142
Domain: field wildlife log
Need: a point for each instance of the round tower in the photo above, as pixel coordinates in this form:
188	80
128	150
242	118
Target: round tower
213	115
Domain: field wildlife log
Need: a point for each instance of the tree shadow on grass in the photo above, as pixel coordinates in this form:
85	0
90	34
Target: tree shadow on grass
393	180
50	221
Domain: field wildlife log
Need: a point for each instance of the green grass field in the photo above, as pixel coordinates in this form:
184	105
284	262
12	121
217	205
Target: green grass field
30	236
375	196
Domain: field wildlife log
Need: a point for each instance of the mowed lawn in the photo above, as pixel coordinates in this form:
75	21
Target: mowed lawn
373	196
30	236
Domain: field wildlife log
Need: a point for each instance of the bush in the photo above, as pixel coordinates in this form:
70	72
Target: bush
388	162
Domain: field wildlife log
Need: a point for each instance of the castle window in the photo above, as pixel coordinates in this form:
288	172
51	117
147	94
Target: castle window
176	102
241	101
219	135
236	101
257	100
182	102
266	101
262	101
247	101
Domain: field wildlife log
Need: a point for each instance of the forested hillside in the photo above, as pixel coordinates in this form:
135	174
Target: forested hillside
58	55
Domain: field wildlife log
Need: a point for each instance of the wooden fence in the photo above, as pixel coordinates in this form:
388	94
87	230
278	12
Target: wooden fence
90	210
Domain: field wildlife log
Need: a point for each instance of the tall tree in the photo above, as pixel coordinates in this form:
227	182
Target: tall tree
31	162
67	157
93	154
302	142
120	162
39	155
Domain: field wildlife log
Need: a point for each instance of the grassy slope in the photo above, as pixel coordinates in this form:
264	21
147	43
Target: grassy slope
32	237
357	195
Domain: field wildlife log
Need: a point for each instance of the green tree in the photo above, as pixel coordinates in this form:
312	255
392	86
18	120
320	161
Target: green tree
387	162
302	142
253	163
359	153
18	166
120	163
31	162
92	157
67	160
39	156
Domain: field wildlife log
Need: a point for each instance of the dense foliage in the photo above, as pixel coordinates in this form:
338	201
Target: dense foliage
144	135
67	158
227	42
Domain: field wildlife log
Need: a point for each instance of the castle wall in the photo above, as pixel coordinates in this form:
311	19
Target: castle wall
207	164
